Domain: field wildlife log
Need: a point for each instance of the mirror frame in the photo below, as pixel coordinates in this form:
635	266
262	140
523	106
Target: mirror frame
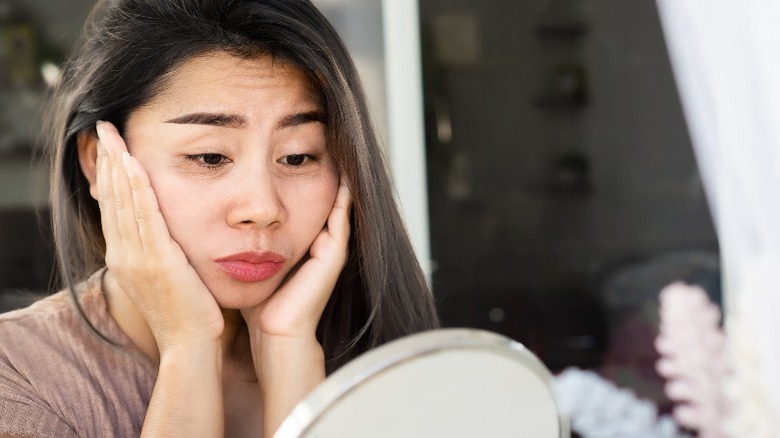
394	353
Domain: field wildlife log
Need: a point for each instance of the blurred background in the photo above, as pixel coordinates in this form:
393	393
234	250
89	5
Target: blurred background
35	36
546	171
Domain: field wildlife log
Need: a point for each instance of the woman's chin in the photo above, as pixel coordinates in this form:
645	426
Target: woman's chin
238	298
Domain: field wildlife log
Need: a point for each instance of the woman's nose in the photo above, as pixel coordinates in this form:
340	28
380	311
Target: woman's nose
255	201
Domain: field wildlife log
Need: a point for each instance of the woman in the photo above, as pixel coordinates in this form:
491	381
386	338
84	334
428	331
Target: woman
216	156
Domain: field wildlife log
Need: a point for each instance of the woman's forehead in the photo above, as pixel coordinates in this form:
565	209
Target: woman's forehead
236	90
213	71
220	80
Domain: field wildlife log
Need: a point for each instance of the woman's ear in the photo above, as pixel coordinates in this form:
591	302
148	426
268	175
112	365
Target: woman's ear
87	143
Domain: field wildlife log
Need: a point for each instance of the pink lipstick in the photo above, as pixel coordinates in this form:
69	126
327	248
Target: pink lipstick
251	266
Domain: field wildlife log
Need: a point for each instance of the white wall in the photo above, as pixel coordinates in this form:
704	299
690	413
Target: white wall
382	36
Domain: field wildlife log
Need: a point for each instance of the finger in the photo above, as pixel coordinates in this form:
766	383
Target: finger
338	220
152	229
106	193
123	197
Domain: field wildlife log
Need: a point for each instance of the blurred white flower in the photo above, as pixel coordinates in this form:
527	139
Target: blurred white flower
599	409
692	348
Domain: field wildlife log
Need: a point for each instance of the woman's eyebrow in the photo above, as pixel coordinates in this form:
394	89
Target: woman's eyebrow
301	118
210	119
237	121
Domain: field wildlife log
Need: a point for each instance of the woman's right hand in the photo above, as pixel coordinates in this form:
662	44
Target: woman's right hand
146	262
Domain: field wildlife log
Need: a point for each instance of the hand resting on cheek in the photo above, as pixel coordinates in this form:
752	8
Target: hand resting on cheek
148	264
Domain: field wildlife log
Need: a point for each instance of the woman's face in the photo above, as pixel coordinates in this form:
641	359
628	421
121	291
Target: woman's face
237	155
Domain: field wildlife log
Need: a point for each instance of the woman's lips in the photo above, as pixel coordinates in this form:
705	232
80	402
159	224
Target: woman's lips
251	267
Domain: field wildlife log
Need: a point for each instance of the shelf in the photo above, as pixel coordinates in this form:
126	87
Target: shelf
561	31
556	189
552	102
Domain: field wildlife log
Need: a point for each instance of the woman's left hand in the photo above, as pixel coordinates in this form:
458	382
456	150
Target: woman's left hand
295	308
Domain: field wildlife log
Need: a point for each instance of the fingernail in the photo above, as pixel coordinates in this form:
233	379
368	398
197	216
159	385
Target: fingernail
126	159
100	128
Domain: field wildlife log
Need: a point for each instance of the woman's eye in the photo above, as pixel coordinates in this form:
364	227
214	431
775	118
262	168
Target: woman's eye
209	160
296	159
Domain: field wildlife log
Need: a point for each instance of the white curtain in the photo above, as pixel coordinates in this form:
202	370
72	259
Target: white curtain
726	59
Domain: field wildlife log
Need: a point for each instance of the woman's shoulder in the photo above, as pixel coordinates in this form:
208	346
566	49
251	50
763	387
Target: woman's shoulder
54	328
45	307
52	315
53	364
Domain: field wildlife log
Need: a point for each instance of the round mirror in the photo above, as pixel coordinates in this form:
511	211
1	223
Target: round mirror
442	383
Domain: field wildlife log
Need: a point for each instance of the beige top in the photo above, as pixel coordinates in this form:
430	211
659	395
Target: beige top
59	379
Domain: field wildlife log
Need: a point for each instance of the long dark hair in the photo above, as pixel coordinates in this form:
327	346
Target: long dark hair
131	46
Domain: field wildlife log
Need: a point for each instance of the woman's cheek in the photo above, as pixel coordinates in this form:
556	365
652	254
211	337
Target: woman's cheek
309	205
183	206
